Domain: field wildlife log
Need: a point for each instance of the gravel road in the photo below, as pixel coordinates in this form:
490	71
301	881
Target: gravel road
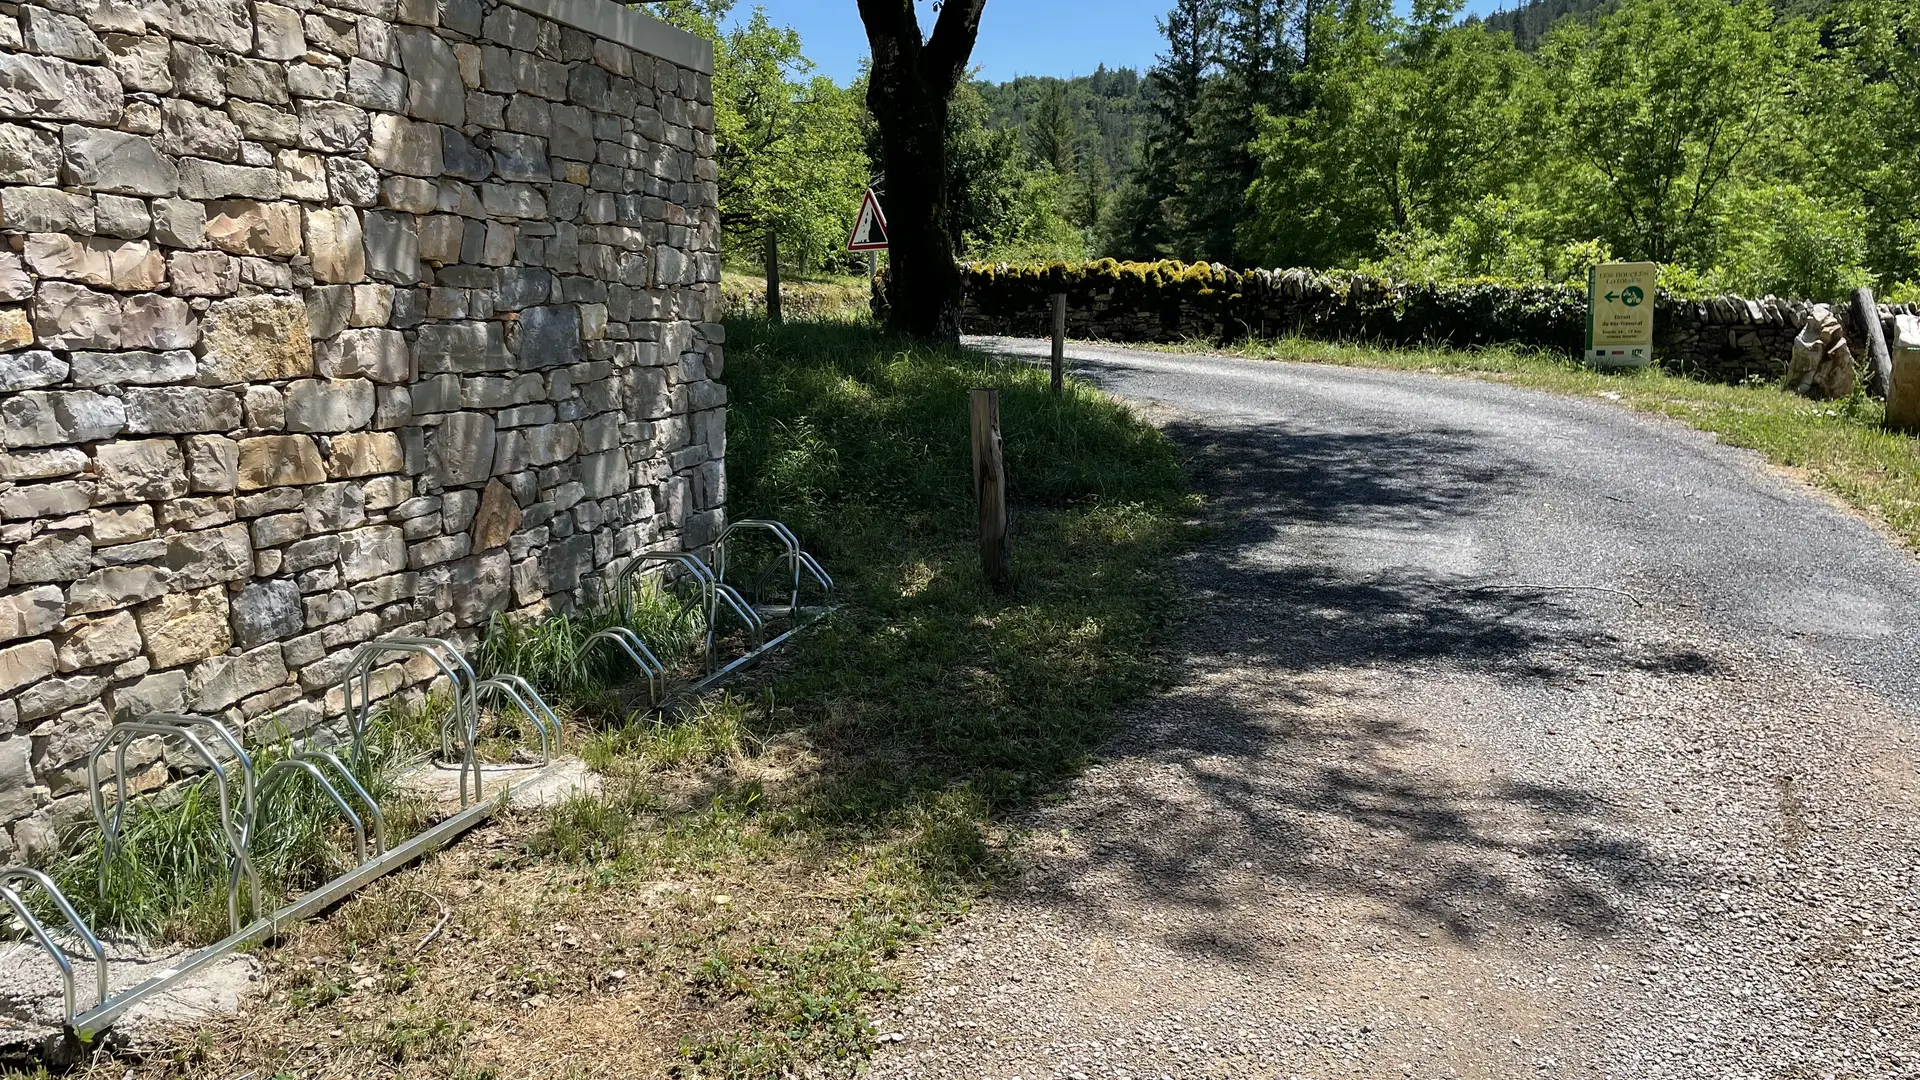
1518	736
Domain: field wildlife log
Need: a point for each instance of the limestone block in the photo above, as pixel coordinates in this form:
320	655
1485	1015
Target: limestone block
246	227
191	130
258	80
332	127
332	507
270	461
14	282
328	309
366	454
52	557
43	464
201	179
28	155
441	239
53	417
405	146
31	612
83	259
549	337
435	90
162	693
100	642
372	552
255	339
266	611
202	273
114	162
180	410
183	627
380	355
329	405
461	449
314	81
179	223
276	530
140	470
198	73
266	408
268	124
67	316
221	681
572	135
410	194
125	218
132	368
518	201
161	323
141	62
303	175
39	209
334	241
114	587
226	23
393	248
31	369
463	159
209	557
46	500
277	34
354	183
1903	400
22	665
497	518
47	88
121	524
372	86
525	448
212	464
520	157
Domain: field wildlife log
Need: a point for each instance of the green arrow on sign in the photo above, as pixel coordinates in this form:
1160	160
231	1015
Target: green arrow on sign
1613	298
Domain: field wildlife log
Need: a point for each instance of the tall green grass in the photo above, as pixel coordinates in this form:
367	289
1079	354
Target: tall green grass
552	652
167	879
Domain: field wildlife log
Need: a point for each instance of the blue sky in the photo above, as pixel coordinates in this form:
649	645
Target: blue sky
1017	37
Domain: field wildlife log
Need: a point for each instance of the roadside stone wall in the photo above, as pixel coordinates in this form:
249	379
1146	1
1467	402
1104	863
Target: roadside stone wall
1725	338
327	321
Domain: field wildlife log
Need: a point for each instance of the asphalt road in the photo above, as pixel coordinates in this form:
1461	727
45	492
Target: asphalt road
1517	735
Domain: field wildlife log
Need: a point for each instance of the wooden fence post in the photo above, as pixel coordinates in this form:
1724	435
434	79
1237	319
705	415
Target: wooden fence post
1059	342
990	490
1867	313
773	277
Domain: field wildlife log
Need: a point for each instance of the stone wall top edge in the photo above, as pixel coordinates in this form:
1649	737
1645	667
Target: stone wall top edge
625	26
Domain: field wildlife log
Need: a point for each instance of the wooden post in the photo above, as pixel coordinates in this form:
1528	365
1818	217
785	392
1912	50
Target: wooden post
990	490
1059	342
1867	314
773	277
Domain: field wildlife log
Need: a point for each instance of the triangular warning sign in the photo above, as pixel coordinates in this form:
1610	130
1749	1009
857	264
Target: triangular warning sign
870	232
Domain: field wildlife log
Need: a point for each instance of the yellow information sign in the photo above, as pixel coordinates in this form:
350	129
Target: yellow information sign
1620	314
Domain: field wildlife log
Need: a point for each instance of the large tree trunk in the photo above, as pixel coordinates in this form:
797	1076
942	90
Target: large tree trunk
909	92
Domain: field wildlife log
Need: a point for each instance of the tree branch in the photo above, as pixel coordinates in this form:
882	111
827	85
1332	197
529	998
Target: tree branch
954	36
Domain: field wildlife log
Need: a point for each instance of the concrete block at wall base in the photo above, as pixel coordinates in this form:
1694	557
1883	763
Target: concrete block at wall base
1903	399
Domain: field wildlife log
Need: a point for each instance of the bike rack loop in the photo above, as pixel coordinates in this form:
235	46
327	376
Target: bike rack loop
314	754
780	532
45	940
637	651
239	838
461	679
686	560
519	691
276	776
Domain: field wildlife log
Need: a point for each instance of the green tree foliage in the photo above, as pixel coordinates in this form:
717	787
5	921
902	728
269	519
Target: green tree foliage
791	148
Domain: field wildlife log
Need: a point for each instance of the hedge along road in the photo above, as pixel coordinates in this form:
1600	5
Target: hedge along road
1514	735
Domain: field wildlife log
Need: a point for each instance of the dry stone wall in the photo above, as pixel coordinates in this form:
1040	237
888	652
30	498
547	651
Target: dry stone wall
326	321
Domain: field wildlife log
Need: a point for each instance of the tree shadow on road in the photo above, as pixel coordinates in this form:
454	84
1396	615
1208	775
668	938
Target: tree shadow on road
1311	752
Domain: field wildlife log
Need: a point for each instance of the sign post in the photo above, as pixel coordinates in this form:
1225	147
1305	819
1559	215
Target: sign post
1620	302
870	233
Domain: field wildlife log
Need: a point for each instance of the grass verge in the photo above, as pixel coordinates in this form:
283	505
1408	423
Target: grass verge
753	869
1838	446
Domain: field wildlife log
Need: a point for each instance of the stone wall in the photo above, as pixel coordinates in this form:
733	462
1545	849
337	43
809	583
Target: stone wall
1724	338
327	321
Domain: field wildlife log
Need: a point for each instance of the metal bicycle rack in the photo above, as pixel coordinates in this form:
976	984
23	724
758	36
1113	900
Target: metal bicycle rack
61	958
308	762
531	705
643	658
714	595
792	555
235	823
462	681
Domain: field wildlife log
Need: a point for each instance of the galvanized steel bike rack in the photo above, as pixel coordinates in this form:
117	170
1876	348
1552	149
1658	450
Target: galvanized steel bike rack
303	761
237	829
792	554
643	658
61	958
714	593
531	705
463	683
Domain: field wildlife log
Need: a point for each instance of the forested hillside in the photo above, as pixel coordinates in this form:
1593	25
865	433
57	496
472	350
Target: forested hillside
1753	146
